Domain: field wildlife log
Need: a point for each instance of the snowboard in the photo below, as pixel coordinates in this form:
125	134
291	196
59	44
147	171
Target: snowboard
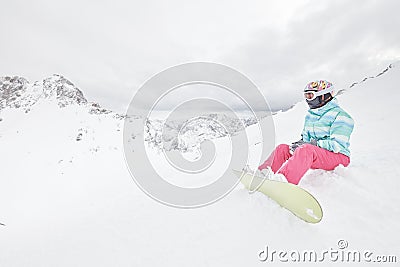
291	197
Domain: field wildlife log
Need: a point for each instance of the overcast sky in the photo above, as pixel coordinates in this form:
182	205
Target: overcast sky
109	48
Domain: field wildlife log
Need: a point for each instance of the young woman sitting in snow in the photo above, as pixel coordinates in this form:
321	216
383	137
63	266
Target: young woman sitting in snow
324	143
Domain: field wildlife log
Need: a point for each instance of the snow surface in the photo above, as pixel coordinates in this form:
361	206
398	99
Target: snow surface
70	202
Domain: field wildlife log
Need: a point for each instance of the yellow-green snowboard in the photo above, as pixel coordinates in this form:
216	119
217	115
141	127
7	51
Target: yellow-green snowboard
290	196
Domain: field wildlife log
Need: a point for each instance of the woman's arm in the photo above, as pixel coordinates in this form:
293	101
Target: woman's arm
340	131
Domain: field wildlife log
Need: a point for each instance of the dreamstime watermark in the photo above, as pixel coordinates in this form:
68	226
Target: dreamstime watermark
341	253
195	99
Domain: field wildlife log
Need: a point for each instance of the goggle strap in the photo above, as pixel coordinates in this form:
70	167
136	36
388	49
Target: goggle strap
322	92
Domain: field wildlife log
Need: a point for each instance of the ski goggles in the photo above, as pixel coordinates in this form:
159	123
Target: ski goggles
311	95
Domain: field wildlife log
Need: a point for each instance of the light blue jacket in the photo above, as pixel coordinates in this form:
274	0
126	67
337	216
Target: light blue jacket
331	126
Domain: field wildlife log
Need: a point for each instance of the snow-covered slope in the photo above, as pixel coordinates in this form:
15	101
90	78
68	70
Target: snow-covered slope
67	198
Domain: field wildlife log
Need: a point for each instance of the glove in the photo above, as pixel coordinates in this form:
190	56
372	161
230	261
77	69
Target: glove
295	145
313	142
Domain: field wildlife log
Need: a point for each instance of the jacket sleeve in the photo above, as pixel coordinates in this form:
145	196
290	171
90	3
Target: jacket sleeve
340	132
304	134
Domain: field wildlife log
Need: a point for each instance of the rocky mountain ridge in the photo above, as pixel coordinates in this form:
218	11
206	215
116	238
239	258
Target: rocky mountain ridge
17	92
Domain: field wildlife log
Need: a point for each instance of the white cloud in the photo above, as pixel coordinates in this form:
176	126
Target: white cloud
339	40
109	48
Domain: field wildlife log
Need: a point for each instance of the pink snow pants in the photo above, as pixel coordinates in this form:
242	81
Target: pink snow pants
304	158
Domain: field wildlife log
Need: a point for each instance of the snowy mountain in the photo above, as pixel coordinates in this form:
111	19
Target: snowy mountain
67	198
17	92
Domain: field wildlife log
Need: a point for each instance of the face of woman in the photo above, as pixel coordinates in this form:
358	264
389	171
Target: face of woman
308	95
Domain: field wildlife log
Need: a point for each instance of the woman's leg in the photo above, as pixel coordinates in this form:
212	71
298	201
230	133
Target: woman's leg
279	156
308	157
